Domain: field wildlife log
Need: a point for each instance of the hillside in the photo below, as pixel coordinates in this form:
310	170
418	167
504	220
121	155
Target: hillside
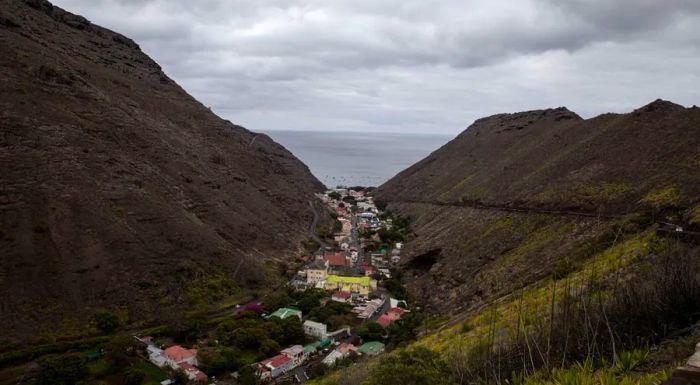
519	197
119	190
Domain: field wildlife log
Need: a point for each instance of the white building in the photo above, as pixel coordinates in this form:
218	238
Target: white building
296	354
315	329
156	356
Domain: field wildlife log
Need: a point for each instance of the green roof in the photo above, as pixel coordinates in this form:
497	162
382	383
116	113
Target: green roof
285	312
310	348
371	348
364	281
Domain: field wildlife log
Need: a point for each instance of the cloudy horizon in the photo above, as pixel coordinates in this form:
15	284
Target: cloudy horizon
412	66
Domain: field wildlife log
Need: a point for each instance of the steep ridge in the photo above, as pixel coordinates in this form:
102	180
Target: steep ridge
518	197
117	188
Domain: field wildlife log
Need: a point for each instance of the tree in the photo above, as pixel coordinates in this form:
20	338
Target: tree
106	321
246	376
371	331
120	349
133	376
276	300
334	195
307	303
293	331
269	347
181	378
350	200
61	370
215	361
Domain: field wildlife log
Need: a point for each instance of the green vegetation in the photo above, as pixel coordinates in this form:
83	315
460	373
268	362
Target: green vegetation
61	370
334	195
419	366
133	376
106	321
694	215
324	231
310	245
208	290
604	192
666	196
370	331
253	334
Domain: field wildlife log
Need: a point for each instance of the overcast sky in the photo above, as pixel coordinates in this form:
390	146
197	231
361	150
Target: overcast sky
412	65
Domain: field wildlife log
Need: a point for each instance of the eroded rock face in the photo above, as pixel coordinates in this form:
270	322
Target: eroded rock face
117	188
518	197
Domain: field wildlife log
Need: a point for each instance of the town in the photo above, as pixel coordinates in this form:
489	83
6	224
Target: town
342	304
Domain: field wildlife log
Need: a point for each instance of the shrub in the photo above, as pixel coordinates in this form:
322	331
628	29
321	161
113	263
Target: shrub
106	321
61	370
419	366
133	376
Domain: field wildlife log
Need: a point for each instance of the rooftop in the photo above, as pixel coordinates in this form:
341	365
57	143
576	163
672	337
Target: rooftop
342	294
364	281
285	312
276	361
177	353
372	347
335	259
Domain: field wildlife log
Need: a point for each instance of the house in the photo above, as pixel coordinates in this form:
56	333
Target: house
369	309
342	296
285	312
315	329
371	348
335	260
192	372
317	271
296	354
176	355
273	367
287	360
156	356
343	350
361	285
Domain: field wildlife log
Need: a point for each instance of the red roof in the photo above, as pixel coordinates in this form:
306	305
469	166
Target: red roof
394	314
384	320
337	259
177	353
198	374
276	361
342	294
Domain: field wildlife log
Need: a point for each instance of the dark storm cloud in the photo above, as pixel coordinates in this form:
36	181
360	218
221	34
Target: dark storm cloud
412	65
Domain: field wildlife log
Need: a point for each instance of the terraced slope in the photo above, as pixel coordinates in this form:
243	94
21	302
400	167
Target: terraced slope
519	197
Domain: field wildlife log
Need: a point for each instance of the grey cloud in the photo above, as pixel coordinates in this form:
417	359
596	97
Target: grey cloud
409	64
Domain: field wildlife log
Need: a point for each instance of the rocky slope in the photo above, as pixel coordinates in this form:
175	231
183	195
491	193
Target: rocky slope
117	188
519	197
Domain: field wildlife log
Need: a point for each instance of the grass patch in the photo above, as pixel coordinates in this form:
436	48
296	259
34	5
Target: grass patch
100	368
662	197
604	192
154	374
694	215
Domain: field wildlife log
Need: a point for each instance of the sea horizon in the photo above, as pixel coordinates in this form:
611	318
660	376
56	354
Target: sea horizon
357	158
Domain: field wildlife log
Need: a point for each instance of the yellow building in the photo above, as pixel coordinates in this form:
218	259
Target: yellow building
362	285
316	272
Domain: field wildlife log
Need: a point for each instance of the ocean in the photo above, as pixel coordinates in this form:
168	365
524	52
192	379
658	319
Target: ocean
357	158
